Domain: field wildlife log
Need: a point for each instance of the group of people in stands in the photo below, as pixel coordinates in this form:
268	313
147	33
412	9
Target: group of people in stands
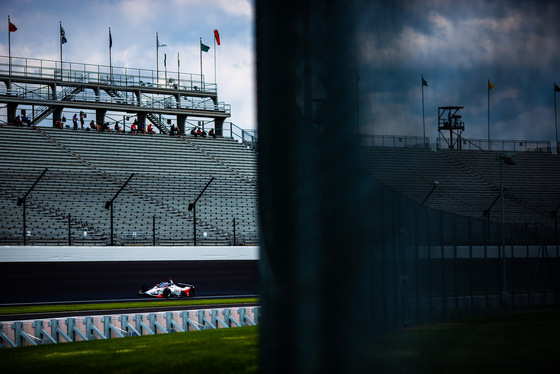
139	128
197	131
19	121
136	127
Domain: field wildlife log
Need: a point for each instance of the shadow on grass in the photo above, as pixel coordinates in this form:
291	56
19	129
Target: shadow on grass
233	350
520	342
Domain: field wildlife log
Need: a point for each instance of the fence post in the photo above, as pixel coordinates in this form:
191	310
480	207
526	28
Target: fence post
443	299
456	293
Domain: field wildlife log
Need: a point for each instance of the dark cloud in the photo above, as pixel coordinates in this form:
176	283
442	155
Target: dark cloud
458	46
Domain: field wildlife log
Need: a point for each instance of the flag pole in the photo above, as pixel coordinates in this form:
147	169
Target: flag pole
60	37
215	51
200	51
157	58
110	64
178	73
9	47
165	67
357	102
423	119
556	117
489	146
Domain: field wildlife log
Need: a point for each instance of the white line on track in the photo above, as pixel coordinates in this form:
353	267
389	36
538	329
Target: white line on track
125	300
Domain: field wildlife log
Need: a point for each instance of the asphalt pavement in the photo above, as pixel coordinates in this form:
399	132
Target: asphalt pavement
29	282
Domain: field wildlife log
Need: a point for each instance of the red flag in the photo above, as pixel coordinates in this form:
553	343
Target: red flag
12	27
217	36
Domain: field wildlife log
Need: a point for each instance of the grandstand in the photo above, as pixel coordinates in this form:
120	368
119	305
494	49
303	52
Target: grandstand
468	181
87	168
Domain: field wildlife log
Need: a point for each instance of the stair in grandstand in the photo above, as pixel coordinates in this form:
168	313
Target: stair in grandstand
66	94
161	125
110	91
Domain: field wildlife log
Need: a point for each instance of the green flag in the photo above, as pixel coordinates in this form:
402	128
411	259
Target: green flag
204	47
424	83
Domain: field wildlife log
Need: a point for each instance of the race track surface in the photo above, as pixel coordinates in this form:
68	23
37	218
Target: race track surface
81	281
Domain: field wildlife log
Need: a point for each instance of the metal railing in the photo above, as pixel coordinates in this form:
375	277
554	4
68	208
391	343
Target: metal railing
394	141
246	137
120	76
74	329
500	145
145	101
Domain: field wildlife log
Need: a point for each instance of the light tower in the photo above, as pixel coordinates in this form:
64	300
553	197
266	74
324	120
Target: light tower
449	120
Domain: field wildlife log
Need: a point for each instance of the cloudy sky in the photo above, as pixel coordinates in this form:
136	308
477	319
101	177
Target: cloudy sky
179	23
458	46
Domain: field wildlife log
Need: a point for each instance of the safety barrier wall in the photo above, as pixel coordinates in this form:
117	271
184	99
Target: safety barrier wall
126	253
74	329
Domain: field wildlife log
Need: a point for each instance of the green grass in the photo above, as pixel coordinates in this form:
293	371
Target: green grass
125	305
521	342
233	350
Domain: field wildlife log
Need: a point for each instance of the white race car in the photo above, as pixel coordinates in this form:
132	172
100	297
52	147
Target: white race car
168	289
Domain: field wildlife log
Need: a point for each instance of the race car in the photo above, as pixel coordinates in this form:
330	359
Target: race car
168	289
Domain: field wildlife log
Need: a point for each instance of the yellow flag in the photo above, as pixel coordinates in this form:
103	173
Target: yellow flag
490	85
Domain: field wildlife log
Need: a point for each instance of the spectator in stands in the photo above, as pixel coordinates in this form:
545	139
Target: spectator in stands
212	133
26	120
150	129
106	127
141	128
92	125
82	116
75	121
200	132
173	131
133	128
117	128
193	131
17	121
59	124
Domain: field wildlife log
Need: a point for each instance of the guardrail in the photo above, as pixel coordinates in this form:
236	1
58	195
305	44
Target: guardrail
74	329
500	145
396	141
129	100
120	76
247	137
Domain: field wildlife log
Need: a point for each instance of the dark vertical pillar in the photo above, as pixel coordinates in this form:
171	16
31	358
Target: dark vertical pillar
315	200
181	119
219	124
12	108
57	114
100	116
141	116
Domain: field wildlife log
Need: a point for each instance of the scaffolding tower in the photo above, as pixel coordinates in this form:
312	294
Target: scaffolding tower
449	120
